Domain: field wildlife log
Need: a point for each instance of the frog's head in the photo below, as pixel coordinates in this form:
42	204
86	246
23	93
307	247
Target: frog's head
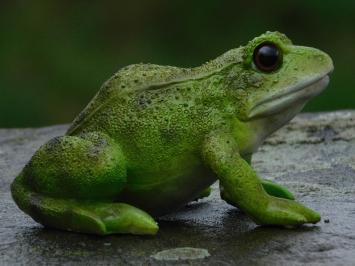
278	78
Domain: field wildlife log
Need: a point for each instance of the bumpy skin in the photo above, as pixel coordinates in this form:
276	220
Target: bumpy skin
156	137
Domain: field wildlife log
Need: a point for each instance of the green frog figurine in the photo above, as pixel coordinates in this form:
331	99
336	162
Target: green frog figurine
156	137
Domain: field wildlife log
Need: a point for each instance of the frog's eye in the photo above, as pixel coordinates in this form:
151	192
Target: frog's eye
267	57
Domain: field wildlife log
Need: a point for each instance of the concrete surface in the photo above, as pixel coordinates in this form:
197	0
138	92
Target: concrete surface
314	156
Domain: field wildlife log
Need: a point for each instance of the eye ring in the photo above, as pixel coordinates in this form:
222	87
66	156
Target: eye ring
267	57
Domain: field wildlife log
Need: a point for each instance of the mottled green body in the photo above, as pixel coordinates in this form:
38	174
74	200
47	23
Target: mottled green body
167	113
155	137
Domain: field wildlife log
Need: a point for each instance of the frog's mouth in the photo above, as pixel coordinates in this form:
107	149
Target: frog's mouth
291	96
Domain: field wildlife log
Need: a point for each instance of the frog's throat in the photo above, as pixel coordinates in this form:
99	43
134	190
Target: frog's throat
289	97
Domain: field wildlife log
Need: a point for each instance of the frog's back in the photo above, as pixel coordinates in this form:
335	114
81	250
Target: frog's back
127	81
140	77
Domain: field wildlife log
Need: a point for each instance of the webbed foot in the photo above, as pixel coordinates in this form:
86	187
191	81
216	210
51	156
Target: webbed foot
285	212
112	218
270	187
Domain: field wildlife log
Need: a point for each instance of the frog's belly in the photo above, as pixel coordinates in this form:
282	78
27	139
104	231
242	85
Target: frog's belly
168	194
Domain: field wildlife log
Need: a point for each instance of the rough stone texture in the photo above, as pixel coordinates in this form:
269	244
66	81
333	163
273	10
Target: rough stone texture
314	156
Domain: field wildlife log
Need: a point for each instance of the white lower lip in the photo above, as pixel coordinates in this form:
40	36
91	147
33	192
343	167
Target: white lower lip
302	92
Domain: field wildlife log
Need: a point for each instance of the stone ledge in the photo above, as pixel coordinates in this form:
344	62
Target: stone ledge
314	155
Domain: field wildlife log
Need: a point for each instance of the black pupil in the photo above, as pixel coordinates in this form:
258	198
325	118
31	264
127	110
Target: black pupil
267	57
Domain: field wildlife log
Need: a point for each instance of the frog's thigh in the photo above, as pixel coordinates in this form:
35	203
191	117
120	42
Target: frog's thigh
89	166
71	182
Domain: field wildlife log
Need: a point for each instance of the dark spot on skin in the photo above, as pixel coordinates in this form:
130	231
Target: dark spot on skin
142	101
101	143
53	144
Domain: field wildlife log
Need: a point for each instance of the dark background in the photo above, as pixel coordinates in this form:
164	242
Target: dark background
54	55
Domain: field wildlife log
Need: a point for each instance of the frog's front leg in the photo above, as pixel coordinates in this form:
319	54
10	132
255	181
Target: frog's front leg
71	183
244	188
270	187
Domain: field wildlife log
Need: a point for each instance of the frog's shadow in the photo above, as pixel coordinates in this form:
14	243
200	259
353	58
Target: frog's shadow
233	222
231	225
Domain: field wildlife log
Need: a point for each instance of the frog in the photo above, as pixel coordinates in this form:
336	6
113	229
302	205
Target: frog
155	138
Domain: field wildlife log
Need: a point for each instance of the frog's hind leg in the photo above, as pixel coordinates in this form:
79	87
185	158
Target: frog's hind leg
71	183
101	218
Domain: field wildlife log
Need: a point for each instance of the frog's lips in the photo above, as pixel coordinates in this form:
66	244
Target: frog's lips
288	98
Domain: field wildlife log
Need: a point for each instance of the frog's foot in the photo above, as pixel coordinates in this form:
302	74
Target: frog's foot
109	218
281	209
270	187
204	194
101	218
276	190
276	207
284	212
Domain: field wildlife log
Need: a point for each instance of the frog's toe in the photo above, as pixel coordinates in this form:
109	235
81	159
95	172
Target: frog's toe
312	216
276	190
124	218
286	213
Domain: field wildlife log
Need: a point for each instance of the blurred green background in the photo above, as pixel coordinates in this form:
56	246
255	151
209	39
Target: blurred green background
54	55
